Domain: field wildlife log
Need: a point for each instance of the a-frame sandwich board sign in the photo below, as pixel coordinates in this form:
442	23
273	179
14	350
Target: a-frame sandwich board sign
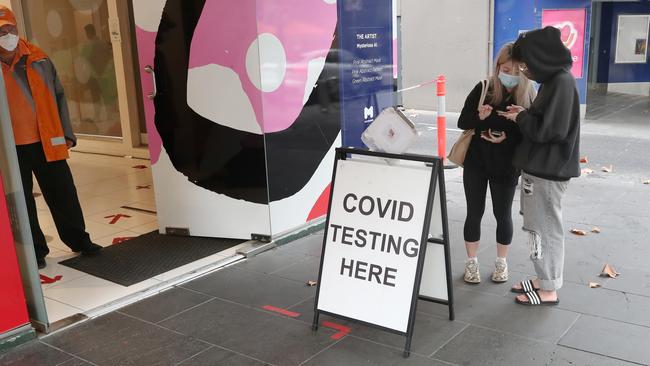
375	240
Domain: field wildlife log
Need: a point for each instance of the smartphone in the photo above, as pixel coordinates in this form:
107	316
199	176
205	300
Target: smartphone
492	133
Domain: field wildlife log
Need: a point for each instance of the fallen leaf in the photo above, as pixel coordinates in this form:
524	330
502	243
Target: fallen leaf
311	283
594	285
578	232
607	169
584	160
586	171
596	230
609	271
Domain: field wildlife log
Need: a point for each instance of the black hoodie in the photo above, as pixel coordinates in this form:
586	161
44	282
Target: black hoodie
551	126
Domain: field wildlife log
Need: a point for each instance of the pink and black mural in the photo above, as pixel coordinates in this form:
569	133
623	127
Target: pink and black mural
225	159
247	110
247	107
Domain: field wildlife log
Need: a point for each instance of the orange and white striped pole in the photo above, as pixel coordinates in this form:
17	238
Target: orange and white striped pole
441	91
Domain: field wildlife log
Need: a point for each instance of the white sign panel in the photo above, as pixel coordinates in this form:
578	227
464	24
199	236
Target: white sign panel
434	274
374	239
632	38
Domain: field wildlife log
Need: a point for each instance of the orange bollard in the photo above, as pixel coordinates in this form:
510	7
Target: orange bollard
442	117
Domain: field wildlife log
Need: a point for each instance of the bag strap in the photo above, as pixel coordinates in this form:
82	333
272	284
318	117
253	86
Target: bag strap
484	90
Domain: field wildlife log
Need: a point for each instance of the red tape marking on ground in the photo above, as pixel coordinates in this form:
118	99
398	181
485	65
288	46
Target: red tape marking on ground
116	218
121	239
281	311
343	330
47	280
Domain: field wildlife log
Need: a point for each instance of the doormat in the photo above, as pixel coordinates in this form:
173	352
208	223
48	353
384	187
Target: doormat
146	256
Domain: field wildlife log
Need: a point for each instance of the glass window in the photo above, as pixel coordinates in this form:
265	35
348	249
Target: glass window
75	34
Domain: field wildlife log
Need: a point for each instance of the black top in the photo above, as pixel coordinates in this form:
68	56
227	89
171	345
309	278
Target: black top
551	127
494	159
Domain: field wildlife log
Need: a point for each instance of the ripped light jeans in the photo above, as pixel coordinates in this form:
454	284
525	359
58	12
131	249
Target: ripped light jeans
541	203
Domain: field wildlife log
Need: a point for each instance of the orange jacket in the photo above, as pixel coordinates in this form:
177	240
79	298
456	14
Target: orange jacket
50	104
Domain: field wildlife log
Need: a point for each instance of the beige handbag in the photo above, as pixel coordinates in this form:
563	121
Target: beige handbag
460	147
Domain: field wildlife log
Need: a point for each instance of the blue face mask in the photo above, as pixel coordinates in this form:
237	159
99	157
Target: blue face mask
509	81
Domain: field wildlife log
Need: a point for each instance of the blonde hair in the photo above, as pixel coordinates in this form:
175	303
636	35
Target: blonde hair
523	93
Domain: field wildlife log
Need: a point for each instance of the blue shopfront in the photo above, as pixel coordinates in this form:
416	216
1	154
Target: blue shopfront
623	63
608	40
573	17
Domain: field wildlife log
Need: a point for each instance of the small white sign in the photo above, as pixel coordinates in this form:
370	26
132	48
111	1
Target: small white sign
114	29
632	39
373	242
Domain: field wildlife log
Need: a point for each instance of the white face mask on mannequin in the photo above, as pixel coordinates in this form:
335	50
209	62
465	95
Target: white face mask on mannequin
9	42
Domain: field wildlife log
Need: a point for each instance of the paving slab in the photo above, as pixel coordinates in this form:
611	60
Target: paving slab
606	303
352	351
271	261
610	338
165	304
631	281
118	339
76	362
563	356
430	333
303	271
271	338
217	356
251	288
306	311
33	353
487	347
502	313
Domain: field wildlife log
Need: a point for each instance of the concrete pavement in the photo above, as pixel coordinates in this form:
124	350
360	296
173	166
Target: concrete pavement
220	319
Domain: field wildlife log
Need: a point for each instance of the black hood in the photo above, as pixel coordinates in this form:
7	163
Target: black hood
543	52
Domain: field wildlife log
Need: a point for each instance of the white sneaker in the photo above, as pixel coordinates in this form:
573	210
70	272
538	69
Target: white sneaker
472	274
500	273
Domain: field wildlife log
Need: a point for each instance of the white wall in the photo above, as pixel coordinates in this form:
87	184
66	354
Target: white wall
447	37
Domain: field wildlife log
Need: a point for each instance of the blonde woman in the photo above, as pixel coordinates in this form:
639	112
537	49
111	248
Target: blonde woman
489	160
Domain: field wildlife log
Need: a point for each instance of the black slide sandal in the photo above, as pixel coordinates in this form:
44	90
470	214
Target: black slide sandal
535	300
526	286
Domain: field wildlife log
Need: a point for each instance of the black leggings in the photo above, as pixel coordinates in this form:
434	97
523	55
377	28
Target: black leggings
475	182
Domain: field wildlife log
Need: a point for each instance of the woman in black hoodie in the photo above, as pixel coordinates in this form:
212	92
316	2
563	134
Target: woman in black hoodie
489	160
548	156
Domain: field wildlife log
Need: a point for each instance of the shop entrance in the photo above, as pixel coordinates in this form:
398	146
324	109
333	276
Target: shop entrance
618	97
92	45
